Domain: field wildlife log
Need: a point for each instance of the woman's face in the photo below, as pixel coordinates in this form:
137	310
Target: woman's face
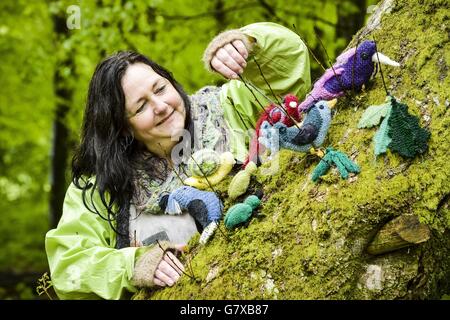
154	108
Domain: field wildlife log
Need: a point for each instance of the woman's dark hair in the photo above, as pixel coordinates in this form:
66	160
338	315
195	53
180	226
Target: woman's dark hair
108	150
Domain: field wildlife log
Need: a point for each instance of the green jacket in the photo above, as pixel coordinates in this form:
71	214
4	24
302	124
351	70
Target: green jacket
83	260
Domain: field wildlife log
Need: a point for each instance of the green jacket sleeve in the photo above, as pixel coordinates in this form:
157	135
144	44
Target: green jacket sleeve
83	261
284	60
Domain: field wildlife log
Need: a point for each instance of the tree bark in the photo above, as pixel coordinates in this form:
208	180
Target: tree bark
310	241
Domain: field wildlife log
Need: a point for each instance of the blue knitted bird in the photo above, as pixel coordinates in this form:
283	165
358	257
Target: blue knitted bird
352	69
311	134
204	206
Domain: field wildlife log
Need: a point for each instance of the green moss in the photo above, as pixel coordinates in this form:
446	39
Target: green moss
309	239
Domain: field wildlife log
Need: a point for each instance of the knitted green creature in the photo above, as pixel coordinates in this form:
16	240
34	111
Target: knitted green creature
239	185
399	131
241	212
342	162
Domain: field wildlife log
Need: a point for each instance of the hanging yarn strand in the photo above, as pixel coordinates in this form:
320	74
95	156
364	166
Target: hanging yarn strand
171	166
204	175
353	64
331	65
251	91
309	49
238	112
381	69
179	268
273	94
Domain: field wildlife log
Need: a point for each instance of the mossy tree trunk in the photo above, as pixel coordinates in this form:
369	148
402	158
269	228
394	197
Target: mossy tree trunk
310	240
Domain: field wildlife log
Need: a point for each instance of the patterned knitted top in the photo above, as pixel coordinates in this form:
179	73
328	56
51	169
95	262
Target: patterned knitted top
210	131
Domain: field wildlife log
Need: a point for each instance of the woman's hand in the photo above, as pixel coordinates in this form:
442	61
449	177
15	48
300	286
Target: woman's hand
230	60
169	269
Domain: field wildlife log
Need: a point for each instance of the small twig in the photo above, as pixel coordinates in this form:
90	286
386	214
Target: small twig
171	166
309	49
330	63
164	251
259	103
204	175
353	65
222	232
274	95
239	114
44	284
381	70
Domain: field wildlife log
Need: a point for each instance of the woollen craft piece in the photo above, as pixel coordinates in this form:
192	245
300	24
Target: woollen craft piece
272	115
399	130
311	133
373	114
240	182
222	169
408	138
204	206
241	212
352	69
338	158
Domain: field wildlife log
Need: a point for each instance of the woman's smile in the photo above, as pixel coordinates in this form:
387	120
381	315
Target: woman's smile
168	118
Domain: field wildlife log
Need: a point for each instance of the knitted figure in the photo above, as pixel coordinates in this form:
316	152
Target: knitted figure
204	206
312	132
241	212
340	159
399	130
352	69
408	138
213	172
273	114
238	186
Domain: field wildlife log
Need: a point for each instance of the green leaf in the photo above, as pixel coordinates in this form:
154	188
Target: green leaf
381	137
408	138
373	114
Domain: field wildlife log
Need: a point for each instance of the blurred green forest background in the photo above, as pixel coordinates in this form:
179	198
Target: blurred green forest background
48	52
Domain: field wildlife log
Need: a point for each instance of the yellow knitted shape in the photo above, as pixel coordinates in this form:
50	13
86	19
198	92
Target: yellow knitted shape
226	164
241	180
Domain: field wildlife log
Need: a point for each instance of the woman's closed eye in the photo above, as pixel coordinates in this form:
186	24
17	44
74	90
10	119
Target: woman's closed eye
141	108
160	89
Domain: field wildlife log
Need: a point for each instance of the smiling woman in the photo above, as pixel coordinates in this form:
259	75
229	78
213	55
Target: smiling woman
156	111
117	233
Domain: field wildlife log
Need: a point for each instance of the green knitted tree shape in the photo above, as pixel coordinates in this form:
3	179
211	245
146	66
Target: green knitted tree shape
408	138
241	212
340	159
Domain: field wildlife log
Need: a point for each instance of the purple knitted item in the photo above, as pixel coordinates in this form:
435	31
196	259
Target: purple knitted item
352	69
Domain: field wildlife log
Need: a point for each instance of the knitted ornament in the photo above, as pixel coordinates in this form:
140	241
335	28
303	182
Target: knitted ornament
352	69
342	162
312	132
241	180
408	138
273	114
399	130
241	212
203	162
223	168
204	206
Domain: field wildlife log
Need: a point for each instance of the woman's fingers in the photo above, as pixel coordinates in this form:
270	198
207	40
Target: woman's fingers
230	59
225	57
221	68
158	282
166	273
239	45
235	54
170	258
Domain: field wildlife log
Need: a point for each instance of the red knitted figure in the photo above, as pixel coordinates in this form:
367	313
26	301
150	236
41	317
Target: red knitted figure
273	114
